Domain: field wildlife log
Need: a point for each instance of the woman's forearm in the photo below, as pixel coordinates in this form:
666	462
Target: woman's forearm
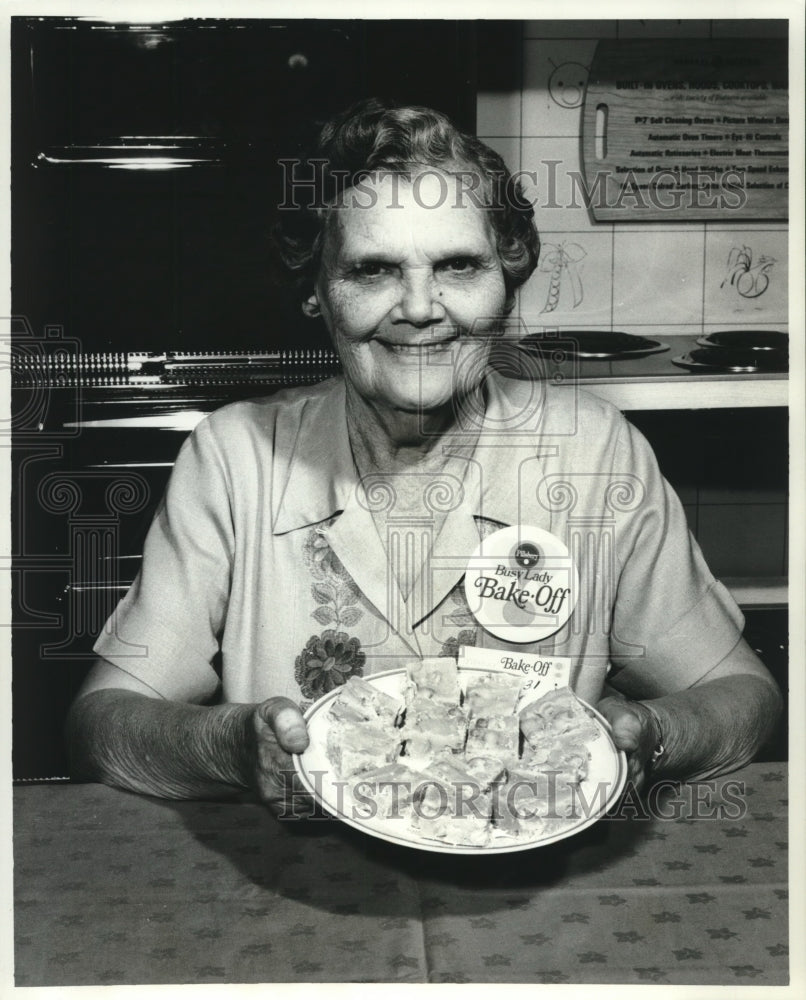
716	726
165	748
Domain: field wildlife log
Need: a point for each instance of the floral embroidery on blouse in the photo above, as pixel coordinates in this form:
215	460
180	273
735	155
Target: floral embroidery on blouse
330	658
461	615
467	637
334	591
327	661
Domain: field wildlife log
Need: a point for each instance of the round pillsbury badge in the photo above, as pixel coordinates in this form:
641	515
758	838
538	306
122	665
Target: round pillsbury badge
526	554
521	584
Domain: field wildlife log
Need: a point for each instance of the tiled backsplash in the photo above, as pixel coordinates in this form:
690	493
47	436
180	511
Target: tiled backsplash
729	467
684	277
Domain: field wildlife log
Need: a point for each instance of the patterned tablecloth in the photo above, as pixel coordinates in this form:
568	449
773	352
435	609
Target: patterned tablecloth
112	888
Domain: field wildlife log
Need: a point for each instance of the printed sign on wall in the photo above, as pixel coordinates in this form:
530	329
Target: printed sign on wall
687	129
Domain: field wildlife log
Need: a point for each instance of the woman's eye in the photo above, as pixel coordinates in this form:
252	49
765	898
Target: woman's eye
460	265
371	269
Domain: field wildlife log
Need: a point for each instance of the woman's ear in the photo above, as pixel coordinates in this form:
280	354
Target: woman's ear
310	306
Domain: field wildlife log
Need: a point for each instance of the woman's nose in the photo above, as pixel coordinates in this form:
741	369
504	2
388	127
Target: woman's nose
419	302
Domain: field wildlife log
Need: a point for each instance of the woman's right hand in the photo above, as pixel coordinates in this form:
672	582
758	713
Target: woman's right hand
121	733
275	730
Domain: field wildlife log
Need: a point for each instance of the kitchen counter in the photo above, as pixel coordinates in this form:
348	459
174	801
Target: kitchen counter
113	888
654	382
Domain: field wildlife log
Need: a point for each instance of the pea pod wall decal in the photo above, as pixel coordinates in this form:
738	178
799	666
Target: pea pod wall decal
562	259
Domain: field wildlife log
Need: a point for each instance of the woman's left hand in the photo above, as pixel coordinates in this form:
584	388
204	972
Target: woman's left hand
635	731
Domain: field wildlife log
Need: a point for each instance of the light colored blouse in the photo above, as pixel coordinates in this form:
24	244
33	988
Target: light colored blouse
265	546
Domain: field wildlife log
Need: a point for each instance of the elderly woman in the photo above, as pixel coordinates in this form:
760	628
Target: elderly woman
330	531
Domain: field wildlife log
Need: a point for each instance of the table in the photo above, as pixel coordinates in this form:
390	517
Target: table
113	888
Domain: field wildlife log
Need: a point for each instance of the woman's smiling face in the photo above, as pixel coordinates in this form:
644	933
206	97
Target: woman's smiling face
409	292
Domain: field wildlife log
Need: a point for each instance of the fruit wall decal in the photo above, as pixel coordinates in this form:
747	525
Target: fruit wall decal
750	279
567	84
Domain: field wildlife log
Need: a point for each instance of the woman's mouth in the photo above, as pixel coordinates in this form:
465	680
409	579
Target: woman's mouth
419	347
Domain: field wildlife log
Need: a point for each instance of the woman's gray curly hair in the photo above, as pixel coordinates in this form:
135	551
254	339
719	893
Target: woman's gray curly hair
375	136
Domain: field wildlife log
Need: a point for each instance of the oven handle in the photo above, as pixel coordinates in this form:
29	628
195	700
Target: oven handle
181	420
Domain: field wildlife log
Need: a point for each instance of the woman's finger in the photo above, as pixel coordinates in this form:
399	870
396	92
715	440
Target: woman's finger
626	725
287	723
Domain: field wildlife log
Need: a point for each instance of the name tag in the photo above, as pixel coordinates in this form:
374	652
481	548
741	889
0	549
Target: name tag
537	674
521	584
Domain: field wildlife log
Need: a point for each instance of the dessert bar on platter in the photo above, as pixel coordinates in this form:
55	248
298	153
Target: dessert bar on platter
455	760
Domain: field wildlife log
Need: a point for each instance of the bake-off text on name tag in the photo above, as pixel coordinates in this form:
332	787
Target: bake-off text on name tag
550	599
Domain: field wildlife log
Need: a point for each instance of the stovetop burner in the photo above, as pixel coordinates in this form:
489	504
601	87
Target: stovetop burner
748	351
596	345
747	340
729	359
